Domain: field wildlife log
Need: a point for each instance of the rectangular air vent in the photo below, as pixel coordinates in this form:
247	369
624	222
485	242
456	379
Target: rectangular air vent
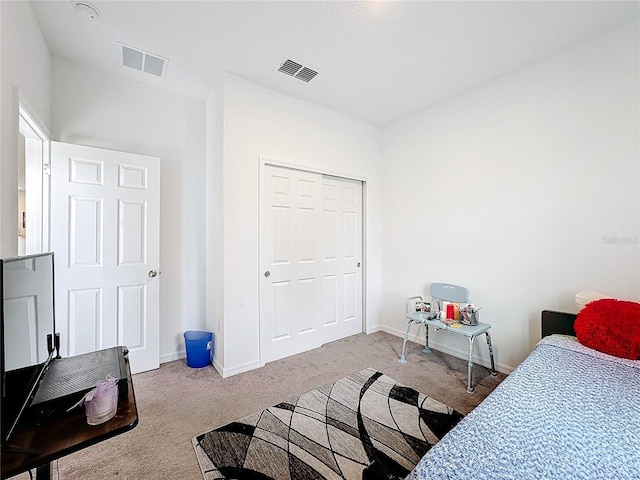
297	70
142	61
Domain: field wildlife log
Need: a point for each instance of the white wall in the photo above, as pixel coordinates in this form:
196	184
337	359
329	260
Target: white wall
214	222
100	110
26	71
525	190
259	122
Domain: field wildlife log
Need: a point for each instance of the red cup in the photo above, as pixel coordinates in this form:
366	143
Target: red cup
450	313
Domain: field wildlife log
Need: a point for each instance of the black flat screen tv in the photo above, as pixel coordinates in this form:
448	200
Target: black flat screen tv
27	331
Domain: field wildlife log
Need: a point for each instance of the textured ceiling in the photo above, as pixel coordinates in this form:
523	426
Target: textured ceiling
379	61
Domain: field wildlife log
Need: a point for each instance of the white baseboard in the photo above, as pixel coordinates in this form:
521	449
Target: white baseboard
458	353
229	372
419	339
182	354
377	328
217	366
170	357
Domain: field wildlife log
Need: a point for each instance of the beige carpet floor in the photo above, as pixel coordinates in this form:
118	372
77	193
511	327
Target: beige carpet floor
176	403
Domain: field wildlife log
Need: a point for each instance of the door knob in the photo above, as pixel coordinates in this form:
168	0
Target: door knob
358	265
153	273
267	274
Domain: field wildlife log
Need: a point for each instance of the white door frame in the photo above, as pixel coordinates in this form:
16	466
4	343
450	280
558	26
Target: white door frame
37	177
262	163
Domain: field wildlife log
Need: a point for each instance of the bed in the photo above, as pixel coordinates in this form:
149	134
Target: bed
566	412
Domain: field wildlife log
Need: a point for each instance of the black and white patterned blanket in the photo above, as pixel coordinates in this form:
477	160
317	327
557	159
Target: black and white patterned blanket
567	412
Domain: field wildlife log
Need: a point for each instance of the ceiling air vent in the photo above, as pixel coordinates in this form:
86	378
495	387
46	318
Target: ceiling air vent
297	70
142	61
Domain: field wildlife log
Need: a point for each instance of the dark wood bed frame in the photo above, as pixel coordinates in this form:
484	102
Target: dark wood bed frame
557	322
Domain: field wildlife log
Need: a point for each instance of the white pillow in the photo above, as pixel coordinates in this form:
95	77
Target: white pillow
585	296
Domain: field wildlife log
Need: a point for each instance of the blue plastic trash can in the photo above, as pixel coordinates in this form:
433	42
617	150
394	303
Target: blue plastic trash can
199	346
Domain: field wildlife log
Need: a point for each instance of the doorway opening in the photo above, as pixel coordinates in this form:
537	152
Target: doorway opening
33	184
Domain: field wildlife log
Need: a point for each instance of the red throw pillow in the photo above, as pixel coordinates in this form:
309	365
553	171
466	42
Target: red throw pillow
610	326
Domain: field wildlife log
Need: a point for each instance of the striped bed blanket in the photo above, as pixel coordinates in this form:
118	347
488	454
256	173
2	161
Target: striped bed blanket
567	412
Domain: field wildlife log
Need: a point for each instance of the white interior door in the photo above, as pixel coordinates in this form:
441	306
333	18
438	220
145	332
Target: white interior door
105	209
341	257
291	292
311	254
